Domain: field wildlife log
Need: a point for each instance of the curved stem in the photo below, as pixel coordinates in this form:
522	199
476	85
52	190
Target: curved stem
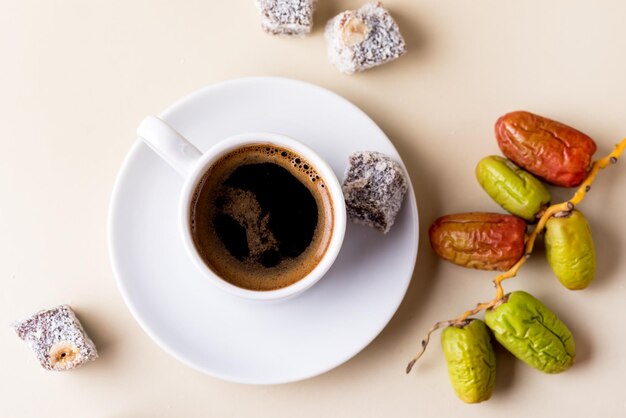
566	206
425	341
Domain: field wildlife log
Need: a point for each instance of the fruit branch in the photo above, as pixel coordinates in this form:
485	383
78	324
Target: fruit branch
566	206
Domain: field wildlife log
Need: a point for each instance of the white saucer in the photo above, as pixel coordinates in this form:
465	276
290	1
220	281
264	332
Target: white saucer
219	334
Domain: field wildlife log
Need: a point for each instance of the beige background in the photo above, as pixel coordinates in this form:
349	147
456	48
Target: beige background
77	76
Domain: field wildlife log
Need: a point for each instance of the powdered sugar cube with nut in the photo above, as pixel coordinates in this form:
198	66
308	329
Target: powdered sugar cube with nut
374	187
363	38
287	17
57	339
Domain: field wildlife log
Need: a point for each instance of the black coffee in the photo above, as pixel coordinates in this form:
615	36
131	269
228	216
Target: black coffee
261	217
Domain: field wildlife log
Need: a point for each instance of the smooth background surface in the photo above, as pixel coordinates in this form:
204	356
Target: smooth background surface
76	78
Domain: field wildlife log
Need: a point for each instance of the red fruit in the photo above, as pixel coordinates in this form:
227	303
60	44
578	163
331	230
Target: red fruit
485	241
554	152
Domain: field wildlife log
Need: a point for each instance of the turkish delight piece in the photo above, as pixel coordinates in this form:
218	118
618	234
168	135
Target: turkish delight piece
57	339
374	187
363	38
287	17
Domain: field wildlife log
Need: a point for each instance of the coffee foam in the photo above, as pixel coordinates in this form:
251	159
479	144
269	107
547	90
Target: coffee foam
252	275
303	167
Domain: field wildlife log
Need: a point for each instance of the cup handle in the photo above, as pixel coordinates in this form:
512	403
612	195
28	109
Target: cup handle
170	145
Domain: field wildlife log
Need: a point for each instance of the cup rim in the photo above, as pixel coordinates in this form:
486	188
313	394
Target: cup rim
229	144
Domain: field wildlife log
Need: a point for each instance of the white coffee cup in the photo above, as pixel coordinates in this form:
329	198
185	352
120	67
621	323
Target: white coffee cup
192	164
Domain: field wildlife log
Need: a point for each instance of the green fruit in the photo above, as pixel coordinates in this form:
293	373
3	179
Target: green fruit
570	250
471	360
516	190
532	333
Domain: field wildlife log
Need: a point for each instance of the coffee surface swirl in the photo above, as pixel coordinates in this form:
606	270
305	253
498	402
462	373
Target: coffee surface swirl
261	217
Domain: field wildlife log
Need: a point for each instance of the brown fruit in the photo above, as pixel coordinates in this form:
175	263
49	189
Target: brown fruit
485	241
554	152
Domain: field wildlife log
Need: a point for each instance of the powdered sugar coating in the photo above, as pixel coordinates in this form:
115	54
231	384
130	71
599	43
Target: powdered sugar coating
383	42
287	17
46	329
374	187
